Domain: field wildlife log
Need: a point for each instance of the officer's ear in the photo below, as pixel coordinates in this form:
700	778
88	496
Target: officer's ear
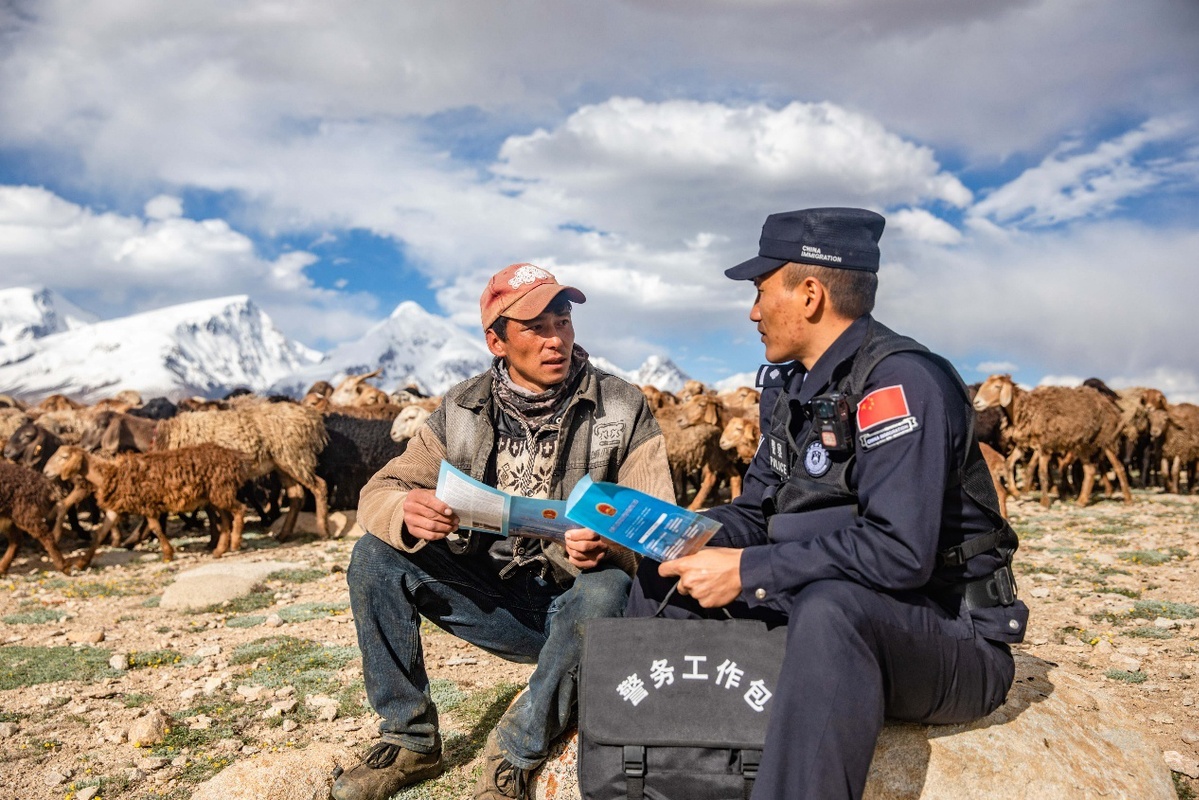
815	296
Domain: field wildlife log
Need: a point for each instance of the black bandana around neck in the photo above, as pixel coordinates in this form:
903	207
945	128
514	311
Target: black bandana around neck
535	409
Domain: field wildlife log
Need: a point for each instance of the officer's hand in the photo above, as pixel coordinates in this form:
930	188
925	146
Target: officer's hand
585	548
427	517
712	576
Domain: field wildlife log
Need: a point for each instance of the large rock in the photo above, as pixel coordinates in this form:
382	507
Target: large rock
219	581
1056	738
288	775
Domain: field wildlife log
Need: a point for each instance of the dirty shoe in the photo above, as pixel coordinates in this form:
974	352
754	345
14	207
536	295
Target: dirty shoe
387	768
501	779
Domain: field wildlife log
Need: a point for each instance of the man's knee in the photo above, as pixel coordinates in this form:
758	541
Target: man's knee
601	593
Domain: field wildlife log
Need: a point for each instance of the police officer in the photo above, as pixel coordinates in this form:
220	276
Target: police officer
868	523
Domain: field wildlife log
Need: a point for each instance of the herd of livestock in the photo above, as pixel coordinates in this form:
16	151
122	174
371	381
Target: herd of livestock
125	465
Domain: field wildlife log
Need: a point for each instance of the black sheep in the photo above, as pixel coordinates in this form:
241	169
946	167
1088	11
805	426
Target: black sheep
357	449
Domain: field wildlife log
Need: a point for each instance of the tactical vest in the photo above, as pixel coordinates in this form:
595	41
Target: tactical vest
800	491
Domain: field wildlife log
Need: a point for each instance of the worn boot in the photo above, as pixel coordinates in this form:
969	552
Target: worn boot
501	779
387	768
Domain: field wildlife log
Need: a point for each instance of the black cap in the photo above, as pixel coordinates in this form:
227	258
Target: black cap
842	238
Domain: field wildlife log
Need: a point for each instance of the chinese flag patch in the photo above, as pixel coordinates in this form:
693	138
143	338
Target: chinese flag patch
882	405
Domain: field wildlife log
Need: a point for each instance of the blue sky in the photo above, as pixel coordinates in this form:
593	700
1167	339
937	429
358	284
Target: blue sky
1037	161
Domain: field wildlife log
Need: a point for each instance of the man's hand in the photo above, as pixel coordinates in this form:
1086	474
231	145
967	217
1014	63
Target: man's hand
585	548
427	517
712	576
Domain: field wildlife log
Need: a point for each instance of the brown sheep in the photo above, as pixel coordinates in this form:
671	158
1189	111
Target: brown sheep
58	402
997	466
27	501
282	437
742	436
1180	449
11	420
355	391
153	485
1058	420
696	449
658	399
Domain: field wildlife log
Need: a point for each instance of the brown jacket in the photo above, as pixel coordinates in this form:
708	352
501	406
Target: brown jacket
607	432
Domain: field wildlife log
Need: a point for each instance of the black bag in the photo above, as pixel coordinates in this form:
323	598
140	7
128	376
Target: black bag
675	709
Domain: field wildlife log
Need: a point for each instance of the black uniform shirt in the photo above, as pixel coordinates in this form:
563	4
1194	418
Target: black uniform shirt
905	512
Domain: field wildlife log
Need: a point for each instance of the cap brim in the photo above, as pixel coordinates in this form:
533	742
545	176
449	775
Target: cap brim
748	270
536	301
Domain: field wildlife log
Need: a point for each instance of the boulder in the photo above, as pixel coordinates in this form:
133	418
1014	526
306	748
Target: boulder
1056	738
150	729
305	774
219	581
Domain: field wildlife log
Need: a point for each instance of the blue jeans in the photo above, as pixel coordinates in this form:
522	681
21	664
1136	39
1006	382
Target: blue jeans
522	618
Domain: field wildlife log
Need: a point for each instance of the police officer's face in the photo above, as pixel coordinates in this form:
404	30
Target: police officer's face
777	310
537	350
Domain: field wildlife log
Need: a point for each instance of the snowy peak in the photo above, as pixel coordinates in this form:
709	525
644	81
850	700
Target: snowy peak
661	372
411	346
200	348
28	313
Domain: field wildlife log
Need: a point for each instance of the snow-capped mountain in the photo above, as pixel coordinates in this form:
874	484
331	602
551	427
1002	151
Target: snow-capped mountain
28	313
412	346
201	348
656	371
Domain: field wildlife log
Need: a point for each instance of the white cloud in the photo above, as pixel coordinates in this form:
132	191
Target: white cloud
114	265
996	367
923	226
164	206
1070	184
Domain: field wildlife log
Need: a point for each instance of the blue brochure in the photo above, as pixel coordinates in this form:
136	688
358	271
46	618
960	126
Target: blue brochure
482	508
638	521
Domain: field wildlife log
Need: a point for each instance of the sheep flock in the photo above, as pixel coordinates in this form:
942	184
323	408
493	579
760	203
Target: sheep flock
74	476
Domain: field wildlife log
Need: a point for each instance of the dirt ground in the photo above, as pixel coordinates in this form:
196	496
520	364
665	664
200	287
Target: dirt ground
1112	588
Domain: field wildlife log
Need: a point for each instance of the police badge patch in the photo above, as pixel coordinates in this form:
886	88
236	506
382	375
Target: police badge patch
816	460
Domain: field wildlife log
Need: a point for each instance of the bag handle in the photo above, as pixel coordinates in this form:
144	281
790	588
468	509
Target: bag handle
670	594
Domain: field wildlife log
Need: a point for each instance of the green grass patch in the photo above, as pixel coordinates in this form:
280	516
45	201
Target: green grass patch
152	602
446	694
29	666
297	575
137	700
351	700
154	659
479	711
1032	569
306	612
122	586
1150	632
37	616
254	601
1125	676
289	661
1153	558
1120	590
1067	551
1152	609
11	716
226	721
248	621
1182	787
1110	617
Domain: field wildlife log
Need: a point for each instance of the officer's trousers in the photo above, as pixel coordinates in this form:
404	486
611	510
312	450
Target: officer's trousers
854	657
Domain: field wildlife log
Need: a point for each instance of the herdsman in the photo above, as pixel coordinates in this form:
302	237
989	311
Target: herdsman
868	523
534	424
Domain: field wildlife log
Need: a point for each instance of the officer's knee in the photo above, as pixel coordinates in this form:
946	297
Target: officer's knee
828	605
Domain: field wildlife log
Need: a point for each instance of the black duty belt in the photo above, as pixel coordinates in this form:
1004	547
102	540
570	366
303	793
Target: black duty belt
996	589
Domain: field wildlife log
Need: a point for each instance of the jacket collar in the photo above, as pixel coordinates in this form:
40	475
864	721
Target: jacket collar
826	369
478	391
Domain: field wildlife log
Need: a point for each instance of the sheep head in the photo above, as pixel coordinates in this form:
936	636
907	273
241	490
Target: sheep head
20	441
407	422
741	435
66	463
996	390
699	408
347	392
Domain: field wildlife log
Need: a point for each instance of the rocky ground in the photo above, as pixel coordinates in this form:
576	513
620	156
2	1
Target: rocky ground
106	693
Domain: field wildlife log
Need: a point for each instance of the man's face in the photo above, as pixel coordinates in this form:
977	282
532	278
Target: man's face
777	310
537	350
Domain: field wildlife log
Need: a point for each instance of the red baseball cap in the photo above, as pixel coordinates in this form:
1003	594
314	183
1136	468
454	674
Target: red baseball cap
520	292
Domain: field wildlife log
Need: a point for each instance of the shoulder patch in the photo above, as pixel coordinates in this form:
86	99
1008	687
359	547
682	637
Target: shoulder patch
883	415
773	375
882	405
